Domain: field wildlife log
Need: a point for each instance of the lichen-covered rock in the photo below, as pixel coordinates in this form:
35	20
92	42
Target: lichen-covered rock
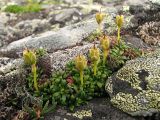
135	88
150	33
11	78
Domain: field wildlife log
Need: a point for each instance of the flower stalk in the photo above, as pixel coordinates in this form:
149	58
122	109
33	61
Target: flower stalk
34	71
119	22
99	18
81	64
81	77
30	59
105	44
95	58
105	54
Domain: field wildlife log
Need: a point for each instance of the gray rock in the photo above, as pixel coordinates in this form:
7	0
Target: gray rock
145	13
135	88
135	42
34	25
155	2
65	15
3	33
65	37
11	78
68	54
150	33
96	109
29	27
75	1
135	2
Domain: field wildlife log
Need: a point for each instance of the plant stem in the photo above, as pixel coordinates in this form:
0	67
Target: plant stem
104	57
119	29
105	54
95	68
100	29
34	71
81	77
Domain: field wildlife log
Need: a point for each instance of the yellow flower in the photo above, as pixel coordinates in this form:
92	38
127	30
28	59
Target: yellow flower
95	57
105	42
99	17
94	54
81	62
119	20
29	57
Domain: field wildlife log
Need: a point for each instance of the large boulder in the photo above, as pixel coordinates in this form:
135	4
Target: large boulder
135	88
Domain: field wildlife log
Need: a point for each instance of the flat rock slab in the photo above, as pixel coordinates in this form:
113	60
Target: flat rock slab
96	109
65	37
51	41
135	88
73	34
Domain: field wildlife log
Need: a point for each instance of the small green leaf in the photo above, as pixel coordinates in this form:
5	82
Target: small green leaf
57	94
63	99
71	107
99	84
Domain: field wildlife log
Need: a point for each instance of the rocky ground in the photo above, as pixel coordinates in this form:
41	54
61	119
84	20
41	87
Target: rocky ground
61	30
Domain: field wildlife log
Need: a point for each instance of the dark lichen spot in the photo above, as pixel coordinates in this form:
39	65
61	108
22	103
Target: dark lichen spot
142	74
123	86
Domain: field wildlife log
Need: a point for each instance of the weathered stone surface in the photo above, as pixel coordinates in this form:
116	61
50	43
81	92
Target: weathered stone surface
11	78
60	58
65	15
146	12
66	37
135	88
135	42
75	1
96	109
150	33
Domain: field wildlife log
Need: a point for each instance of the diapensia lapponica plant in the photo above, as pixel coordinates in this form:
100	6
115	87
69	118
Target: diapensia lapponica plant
84	77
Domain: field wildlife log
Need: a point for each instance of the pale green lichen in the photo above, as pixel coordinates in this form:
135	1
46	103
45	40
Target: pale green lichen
129	72
109	85
145	101
126	102
81	114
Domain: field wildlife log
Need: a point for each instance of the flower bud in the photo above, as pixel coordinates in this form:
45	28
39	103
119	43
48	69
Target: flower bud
119	20
105	42
99	17
81	62
94	54
29	57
